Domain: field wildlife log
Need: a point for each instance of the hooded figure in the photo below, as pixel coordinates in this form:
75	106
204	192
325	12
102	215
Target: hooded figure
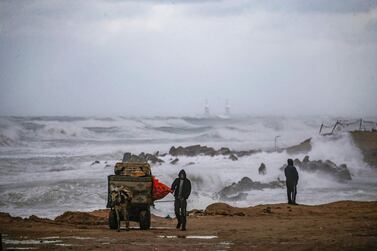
181	188
291	176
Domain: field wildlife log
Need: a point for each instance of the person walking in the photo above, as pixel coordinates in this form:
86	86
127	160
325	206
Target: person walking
291	176
181	188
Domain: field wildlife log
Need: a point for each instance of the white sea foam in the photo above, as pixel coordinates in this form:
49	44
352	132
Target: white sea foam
48	170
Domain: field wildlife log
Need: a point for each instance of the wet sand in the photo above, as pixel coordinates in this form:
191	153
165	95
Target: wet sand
342	225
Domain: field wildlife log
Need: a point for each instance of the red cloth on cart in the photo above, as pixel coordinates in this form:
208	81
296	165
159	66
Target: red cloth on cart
160	190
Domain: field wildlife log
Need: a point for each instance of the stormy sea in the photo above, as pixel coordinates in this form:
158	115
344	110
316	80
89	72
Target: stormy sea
49	165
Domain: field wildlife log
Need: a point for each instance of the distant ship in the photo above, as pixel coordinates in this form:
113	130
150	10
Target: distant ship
207	113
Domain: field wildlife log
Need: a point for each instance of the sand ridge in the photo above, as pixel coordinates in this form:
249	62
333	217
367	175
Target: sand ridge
344	225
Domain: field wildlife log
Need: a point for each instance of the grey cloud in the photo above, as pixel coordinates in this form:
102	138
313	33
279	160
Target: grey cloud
324	6
145	57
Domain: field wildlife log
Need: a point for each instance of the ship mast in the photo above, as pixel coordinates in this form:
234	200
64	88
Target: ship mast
227	108
206	109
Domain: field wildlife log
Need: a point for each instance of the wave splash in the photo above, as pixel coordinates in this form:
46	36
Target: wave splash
46	162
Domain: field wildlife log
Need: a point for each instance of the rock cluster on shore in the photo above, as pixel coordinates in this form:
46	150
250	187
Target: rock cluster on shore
262	170
189	151
142	157
327	167
236	191
196	150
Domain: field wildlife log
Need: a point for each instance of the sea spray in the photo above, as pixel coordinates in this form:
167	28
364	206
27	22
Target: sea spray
47	171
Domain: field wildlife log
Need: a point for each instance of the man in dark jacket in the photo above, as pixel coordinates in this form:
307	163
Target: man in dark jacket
181	188
291	176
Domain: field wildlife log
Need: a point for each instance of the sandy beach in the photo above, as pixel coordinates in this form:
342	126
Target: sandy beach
345	225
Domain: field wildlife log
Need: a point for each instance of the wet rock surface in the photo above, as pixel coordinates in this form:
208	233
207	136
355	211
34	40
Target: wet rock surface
262	170
233	157
95	162
174	161
236	191
142	157
327	167
196	150
192	151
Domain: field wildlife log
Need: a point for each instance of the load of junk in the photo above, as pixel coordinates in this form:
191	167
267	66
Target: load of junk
134	166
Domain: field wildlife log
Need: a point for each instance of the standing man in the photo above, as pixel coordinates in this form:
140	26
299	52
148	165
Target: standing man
291	176
182	189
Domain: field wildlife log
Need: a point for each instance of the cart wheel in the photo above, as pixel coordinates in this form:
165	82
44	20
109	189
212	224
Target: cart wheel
113	224
145	219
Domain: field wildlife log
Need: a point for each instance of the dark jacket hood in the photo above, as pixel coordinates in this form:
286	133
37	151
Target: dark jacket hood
182	172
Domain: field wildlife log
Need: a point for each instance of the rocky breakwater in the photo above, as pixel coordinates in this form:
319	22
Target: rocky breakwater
196	150
340	173
236	191
142	157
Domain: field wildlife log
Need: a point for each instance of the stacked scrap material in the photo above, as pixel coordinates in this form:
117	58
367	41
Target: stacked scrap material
142	169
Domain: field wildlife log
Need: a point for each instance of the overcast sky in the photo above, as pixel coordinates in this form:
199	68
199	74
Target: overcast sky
117	57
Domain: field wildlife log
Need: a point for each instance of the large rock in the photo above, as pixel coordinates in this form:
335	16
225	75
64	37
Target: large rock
192	151
262	170
246	152
152	158
233	157
175	161
327	167
142	157
223	209
235	190
196	150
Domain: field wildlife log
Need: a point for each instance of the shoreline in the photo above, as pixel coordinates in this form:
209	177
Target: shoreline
341	225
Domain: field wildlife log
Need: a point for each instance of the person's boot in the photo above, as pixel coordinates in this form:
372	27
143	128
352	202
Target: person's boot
178	225
183	227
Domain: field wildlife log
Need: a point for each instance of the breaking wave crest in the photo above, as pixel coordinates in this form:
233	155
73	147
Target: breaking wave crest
53	164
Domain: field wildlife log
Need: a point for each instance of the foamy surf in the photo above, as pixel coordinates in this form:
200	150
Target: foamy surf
47	169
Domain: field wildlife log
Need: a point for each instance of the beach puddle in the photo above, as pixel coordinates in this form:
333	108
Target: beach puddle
168	236
20	248
67	245
224	245
30	242
78	238
55	240
162	227
203	237
66	237
50	238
